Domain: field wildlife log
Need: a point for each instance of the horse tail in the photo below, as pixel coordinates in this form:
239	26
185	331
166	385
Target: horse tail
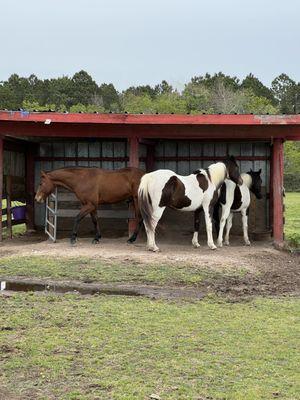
145	201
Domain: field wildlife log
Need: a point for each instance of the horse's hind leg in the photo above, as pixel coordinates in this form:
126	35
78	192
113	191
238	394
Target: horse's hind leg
85	210
150	230
208	223
97	227
228	227
140	221
195	242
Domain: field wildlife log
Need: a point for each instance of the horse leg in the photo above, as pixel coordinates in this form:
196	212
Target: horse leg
228	227
97	227
85	210
224	216
245	227
150	230
208	223
140	223
195	242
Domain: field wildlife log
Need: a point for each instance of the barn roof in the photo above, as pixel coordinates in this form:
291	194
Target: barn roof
206	126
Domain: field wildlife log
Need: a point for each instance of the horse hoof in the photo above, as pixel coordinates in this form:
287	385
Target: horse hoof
154	249
196	245
96	241
212	247
226	243
219	244
130	241
247	243
73	242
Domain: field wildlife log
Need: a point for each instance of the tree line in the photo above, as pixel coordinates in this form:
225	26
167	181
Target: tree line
218	93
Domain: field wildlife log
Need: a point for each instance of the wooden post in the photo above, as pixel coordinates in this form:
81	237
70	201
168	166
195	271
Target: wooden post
30	153
133	162
8	205
1	185
277	188
134	152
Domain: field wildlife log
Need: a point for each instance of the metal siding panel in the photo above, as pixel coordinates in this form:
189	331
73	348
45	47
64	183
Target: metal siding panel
209	150
58	149
119	151
234	149
184	167
83	151
95	151
107	151
220	149
246	149
46	150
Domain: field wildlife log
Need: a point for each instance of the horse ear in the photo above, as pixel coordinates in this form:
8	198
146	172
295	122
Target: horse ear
43	174
259	171
251	170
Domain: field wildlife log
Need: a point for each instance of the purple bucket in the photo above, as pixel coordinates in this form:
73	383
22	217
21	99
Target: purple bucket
19	212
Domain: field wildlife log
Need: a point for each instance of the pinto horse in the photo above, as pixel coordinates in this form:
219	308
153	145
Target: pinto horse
94	186
165	188
235	199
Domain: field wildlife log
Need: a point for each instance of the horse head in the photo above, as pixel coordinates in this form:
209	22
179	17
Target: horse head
256	183
46	187
233	171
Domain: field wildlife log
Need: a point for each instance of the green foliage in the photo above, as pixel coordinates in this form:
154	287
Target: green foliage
292	219
287	92
258	88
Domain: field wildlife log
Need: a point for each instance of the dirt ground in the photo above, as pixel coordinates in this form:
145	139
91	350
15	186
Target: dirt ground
267	271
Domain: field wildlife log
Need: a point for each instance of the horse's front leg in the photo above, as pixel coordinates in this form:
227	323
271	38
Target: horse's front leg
224	216
208	223
195	242
85	210
97	227
245	227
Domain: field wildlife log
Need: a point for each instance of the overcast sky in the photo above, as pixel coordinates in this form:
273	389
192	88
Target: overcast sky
133	42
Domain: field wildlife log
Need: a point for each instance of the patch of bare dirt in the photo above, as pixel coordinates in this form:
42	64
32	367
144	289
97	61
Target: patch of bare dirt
265	270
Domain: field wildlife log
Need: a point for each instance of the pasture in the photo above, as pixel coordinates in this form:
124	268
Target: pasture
240	341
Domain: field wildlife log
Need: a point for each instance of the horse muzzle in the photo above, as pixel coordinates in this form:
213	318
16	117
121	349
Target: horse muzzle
39	198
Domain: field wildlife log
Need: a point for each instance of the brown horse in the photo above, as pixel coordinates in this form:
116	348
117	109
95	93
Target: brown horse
94	186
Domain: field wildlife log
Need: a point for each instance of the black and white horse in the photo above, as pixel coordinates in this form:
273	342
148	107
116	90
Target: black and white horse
165	188
233	199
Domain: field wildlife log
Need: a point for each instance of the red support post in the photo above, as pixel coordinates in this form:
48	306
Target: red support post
134	152
277	188
133	162
30	153
1	184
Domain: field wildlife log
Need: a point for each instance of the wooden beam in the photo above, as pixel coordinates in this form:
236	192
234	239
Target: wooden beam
134	152
133	162
30	154
277	188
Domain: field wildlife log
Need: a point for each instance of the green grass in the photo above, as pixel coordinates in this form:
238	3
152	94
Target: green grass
72	347
87	269
292	219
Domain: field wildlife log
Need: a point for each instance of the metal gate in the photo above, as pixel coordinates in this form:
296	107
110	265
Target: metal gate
51	216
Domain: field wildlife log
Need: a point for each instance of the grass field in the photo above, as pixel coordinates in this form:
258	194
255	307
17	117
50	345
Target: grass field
72	347
292	218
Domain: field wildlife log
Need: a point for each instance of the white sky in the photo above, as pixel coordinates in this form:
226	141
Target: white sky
132	42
